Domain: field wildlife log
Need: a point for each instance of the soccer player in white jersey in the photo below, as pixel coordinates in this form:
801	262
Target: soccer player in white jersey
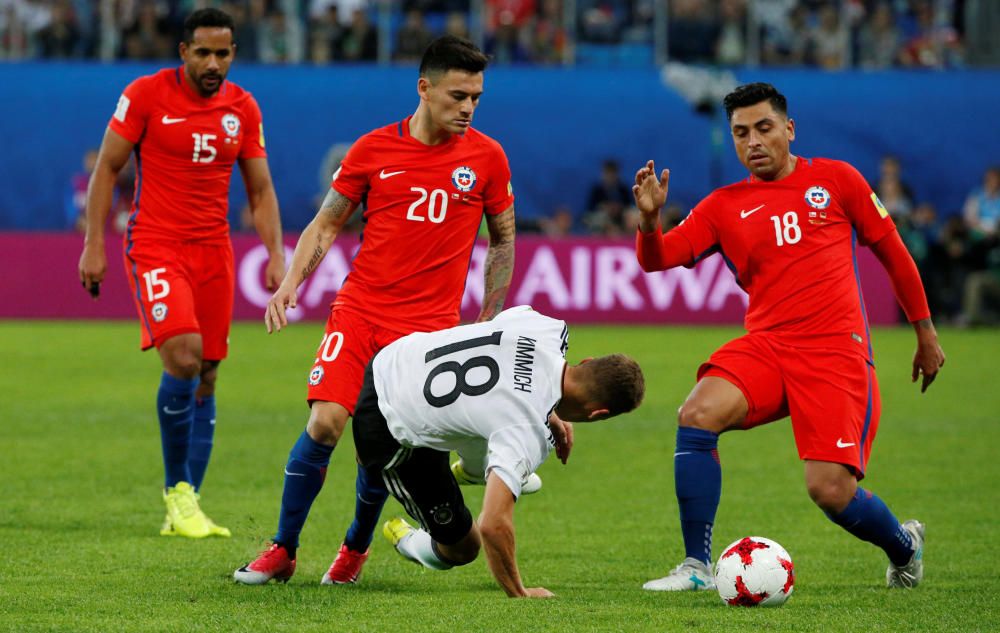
499	392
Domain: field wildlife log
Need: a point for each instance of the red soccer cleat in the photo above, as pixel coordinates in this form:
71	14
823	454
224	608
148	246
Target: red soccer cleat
346	568
272	563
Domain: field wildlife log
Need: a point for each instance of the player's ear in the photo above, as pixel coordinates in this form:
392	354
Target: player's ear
182	49
598	414
791	129
423	86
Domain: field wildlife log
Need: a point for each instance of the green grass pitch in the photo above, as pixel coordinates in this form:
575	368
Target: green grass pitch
80	508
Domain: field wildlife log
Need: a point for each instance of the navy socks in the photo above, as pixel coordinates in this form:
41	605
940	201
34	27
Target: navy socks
304	475
868	518
202	435
698	483
175	409
371	496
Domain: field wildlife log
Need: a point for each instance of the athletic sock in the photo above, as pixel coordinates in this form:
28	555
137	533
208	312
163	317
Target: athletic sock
202	435
698	483
418	546
371	496
175	409
868	518
304	475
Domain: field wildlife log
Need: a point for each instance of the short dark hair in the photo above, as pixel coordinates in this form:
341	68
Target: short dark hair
615	382
449	52
752	94
206	17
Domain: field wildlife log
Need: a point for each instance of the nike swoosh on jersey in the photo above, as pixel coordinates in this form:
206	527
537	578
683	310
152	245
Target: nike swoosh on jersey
843	444
167	120
745	214
384	174
170	411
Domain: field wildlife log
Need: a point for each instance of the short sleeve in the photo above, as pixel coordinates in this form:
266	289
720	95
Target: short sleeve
354	174
253	139
132	111
865	211
514	452
699	230
499	193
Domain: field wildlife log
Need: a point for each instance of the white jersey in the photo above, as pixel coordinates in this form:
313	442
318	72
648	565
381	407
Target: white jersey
484	390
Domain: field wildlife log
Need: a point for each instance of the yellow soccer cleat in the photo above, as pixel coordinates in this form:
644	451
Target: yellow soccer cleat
216	530
185	517
396	530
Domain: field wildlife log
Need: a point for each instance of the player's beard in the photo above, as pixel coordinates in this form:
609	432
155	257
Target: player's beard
206	89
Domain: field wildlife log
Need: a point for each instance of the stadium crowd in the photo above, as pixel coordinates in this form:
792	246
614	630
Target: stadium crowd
827	34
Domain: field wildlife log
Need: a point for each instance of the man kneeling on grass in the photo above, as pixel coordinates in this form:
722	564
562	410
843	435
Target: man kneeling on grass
500	390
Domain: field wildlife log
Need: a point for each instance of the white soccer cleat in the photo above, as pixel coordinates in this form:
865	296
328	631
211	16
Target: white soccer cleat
909	575
690	575
529	486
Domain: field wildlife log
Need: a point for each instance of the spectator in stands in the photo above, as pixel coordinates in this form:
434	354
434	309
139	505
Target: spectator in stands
360	41
731	46
828	40
60	39
609	198
786	40
148	35
280	39
982	216
546	37
456	25
936	43
982	207
691	33
879	39
412	38
952	264
559	225
246	17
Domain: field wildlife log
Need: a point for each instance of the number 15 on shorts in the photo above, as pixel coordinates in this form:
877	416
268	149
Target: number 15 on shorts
156	288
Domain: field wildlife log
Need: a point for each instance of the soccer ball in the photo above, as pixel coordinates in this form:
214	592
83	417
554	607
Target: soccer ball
754	571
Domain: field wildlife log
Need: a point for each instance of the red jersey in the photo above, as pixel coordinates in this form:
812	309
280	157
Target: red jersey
792	245
185	147
424	207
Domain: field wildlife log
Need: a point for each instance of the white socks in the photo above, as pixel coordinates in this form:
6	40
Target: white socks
417	546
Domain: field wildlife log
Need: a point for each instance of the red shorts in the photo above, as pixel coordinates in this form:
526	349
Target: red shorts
350	341
182	288
830	392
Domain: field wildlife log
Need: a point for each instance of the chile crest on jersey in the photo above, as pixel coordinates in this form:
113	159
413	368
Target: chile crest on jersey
464	179
231	125
818	197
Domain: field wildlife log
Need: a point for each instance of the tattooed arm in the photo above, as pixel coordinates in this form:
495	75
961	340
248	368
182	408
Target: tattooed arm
313	244
499	263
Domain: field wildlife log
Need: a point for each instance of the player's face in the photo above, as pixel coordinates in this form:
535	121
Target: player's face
762	137
207	58
451	98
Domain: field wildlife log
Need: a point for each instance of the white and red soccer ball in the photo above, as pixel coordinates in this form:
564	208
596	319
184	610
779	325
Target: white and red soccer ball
754	571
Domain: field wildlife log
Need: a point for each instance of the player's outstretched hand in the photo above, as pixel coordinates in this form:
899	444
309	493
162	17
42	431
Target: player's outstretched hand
562	432
928	360
650	194
93	266
538	592
282	300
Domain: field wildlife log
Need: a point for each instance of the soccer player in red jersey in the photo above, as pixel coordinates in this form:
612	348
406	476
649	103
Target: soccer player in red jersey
187	126
427	180
790	234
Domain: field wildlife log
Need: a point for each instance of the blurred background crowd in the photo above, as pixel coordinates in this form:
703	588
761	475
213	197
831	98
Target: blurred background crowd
827	34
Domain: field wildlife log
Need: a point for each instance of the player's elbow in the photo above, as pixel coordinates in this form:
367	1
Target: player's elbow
648	265
496	529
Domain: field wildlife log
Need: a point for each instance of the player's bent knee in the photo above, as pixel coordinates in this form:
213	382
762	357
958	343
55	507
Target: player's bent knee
830	495
698	415
326	422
